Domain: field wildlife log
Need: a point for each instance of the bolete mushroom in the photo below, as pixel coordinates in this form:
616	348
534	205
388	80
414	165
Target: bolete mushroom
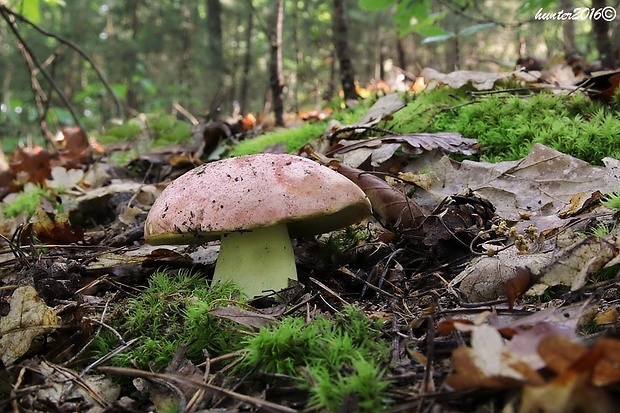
255	204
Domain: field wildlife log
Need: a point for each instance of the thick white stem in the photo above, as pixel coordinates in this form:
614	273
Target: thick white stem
259	261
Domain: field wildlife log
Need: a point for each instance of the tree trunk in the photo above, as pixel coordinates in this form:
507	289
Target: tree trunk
400	53
247	61
186	36
600	28
214	41
129	57
276	81
341	43
568	29
331	83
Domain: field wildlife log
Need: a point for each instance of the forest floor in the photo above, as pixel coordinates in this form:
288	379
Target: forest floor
475	286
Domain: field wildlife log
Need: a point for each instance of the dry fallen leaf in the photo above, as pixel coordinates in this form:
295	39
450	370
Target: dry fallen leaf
251	319
31	164
63	178
485	278
65	389
489	363
572	389
28	317
478	80
573	265
393	207
380	150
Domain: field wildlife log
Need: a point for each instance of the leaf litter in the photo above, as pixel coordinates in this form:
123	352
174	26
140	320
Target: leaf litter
456	261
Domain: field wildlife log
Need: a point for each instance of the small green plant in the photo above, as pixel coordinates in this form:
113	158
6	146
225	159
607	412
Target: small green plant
334	246
26	201
612	200
159	128
601	230
295	138
341	357
174	310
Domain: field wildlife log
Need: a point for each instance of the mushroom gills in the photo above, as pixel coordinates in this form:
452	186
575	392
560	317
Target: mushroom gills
258	261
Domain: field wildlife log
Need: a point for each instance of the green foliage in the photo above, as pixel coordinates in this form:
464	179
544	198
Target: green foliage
173	310
601	230
25	201
160	129
612	200
506	125
125	132
341	355
293	138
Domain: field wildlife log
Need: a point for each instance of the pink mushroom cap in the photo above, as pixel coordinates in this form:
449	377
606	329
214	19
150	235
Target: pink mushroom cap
254	191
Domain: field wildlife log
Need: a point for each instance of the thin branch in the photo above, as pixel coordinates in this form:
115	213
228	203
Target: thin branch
9	16
79	50
485	18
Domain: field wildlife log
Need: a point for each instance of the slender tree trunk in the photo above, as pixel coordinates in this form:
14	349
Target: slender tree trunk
331	83
129	57
341	43
276	75
294	84
400	53
186	36
568	29
216	64
600	28
247	61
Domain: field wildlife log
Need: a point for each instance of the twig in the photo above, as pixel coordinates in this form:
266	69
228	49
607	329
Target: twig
269	406
78	49
10	17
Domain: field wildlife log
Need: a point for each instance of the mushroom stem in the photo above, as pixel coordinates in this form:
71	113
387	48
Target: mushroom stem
258	261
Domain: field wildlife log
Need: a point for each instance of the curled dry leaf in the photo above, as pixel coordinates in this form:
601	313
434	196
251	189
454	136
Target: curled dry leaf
63	178
379	150
64	389
394	208
489	363
574	264
28	317
485	278
56	229
73	145
382	108
580	373
31	164
478	80
247	318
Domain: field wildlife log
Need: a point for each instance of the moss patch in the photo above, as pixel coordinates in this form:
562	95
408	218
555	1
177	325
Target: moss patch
507	125
173	310
295	138
334	358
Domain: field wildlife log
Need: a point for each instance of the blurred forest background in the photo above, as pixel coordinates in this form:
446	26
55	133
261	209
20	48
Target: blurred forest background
208	54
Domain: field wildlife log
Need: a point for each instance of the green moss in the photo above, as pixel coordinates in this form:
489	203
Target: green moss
295	138
342	356
612	200
424	107
507	124
161	129
173	310
25	201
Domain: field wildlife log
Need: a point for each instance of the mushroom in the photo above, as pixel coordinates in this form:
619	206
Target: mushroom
255	204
